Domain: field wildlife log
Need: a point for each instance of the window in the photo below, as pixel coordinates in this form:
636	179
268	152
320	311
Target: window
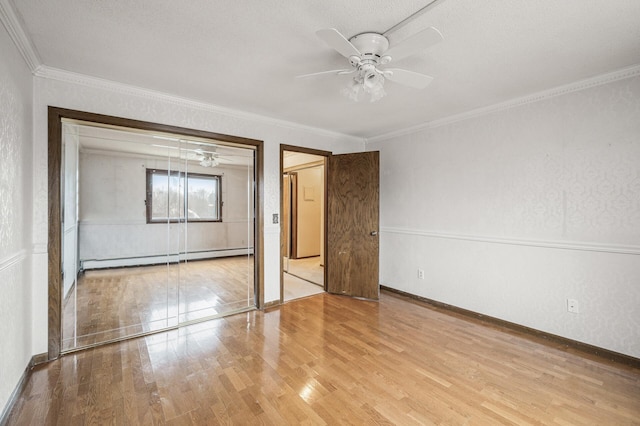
166	200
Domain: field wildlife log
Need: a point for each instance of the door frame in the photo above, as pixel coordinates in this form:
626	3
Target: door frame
292	217
54	245
303	150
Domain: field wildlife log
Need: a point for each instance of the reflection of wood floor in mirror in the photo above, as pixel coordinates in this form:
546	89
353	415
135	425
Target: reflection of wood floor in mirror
113	303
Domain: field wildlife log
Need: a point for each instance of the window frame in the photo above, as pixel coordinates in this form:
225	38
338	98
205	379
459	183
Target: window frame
150	172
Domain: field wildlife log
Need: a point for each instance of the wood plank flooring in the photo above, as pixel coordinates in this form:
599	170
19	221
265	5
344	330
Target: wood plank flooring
329	359
111	303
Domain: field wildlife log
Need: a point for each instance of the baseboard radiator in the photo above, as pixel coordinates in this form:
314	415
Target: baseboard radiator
87	264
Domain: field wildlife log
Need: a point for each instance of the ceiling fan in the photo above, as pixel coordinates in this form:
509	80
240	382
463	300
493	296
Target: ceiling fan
209	157
368	52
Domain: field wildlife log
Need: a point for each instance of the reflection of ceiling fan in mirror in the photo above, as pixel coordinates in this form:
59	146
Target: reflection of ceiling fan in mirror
207	155
208	159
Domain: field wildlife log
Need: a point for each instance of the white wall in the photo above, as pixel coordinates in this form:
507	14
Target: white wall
67	90
15	208
309	209
113	212
512	212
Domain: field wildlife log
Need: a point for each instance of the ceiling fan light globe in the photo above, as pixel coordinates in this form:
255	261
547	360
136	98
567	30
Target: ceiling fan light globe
352	91
371	79
377	94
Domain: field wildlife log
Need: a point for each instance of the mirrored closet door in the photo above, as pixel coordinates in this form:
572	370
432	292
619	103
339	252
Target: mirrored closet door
158	231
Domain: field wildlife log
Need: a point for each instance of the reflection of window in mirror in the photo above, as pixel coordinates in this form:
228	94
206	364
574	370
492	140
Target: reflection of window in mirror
166	199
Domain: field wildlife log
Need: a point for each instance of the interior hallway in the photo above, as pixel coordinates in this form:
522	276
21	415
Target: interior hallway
305	277
308	268
330	359
295	288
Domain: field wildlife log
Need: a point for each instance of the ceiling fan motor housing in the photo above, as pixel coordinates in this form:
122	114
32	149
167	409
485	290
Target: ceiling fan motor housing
370	45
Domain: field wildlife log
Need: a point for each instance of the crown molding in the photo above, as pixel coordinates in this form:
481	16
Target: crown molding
610	77
57	74
13	23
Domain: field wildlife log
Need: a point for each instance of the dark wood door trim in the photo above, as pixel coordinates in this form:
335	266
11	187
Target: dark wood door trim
293	215
55	117
285	216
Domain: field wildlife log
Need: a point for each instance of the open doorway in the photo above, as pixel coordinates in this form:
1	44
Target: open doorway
303	222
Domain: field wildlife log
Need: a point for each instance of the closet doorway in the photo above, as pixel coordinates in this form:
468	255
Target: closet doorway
303	207
157	227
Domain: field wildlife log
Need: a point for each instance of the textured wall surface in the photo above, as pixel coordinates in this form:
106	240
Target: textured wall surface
72	91
513	212
15	204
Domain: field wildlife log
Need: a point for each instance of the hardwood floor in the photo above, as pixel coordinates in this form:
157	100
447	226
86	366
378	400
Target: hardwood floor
329	359
111	303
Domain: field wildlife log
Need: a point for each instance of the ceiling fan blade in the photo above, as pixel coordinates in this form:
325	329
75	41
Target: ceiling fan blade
414	44
407	78
334	39
317	74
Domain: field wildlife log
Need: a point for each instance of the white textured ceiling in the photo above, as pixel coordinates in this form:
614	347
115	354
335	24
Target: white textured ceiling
244	54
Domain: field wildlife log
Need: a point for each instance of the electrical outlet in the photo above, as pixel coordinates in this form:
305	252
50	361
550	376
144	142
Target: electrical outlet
420	274
572	306
275	218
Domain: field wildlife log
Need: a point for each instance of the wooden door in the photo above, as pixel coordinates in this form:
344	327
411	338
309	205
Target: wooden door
352	224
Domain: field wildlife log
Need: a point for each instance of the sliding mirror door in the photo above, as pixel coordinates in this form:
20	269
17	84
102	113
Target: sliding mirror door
157	231
115	274
216	267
